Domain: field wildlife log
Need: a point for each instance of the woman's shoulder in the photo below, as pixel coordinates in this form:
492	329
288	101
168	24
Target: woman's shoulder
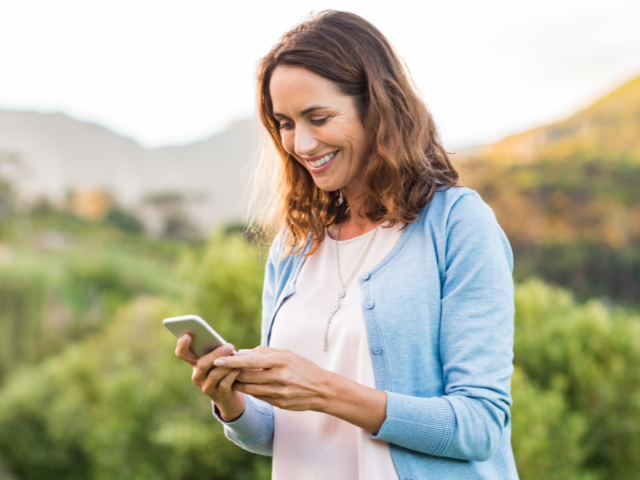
278	255
458	216
457	203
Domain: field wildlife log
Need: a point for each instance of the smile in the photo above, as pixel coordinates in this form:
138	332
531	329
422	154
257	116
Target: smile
322	160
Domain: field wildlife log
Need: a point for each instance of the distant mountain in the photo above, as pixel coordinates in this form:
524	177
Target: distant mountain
612	124
568	196
59	154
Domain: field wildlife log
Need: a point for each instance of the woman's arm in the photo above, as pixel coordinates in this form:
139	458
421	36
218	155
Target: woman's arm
292	382
476	346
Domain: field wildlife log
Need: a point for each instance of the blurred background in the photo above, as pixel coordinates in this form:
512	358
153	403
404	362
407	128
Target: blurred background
126	129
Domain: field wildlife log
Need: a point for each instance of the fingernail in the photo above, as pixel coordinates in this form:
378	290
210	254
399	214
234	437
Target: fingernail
228	348
183	338
219	362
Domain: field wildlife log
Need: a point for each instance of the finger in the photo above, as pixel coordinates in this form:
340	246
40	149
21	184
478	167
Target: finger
266	391
183	352
264	350
251	361
205	363
226	382
255	376
201	371
211	381
222	351
246	351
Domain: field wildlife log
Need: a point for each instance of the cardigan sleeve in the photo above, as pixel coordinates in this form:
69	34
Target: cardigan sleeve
476	346
253	430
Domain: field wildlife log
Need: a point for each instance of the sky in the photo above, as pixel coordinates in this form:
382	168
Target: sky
174	72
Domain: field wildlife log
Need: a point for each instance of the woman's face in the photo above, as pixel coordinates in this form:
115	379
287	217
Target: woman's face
319	126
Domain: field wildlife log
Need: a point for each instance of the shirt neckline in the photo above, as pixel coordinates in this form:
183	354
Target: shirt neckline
351	240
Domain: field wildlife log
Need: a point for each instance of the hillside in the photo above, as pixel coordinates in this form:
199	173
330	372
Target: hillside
58	154
568	196
611	125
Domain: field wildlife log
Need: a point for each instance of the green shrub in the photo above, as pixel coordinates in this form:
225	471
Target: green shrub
22	301
582	362
120	405
548	438
49	298
223	284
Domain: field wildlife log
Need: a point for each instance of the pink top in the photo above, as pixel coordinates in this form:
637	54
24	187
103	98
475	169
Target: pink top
312	445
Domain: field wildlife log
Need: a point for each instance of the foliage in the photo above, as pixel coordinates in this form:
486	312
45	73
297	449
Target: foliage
22	299
592	270
63	284
576	389
7	192
120	405
568	194
224	285
124	220
547	437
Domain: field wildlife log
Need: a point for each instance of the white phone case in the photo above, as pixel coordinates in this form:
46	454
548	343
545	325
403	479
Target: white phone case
204	338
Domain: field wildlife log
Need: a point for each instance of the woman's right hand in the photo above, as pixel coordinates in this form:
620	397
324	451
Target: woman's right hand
215	382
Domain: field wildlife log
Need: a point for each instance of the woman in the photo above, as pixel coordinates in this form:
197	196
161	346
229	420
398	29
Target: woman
388	301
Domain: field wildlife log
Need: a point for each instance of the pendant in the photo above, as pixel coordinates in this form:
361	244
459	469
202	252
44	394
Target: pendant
336	307
342	293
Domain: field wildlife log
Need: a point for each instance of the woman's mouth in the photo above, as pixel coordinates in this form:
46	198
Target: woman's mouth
322	163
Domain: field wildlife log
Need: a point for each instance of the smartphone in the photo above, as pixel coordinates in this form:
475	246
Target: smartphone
204	338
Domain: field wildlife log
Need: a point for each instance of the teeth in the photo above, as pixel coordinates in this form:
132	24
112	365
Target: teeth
323	160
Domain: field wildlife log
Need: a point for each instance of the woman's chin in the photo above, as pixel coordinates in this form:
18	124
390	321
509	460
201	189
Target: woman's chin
327	185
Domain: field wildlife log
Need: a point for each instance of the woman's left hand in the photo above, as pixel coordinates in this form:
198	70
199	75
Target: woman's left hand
281	378
292	382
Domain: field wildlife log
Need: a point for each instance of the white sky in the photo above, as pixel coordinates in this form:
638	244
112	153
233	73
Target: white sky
167	72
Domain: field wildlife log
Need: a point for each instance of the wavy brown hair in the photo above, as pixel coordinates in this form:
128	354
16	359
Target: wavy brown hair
404	161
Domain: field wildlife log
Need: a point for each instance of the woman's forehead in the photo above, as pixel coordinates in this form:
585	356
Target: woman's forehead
296	90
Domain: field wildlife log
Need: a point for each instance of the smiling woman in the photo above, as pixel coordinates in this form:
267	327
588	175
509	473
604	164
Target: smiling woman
326	140
404	374
337	79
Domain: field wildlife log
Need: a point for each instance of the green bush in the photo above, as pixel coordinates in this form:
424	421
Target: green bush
22	301
548	438
223	284
576	389
120	405
49	298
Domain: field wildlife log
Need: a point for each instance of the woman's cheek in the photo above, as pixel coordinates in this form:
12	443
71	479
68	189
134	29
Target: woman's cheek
288	142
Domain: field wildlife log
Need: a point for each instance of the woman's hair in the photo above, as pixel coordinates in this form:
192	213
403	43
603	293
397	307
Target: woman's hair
403	161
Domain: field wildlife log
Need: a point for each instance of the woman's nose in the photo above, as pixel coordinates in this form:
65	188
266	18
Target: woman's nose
306	142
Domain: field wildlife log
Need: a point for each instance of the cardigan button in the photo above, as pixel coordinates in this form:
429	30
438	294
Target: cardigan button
369	305
377	350
365	276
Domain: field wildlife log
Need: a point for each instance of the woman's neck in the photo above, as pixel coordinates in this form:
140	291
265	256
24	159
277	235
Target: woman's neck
355	224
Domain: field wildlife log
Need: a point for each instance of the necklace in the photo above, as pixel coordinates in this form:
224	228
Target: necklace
342	286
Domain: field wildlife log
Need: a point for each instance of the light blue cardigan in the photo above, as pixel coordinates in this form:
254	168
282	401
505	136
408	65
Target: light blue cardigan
439	316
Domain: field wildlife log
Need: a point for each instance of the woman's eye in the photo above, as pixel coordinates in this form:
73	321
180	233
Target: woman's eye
319	121
286	126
